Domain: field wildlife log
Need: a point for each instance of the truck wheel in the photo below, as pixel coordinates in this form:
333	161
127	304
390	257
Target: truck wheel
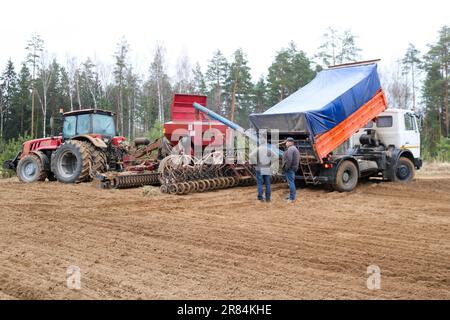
31	169
404	171
72	162
346	177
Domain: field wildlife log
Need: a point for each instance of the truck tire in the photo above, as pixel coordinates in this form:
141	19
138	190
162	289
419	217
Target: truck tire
346	177
72	162
31	169
404	170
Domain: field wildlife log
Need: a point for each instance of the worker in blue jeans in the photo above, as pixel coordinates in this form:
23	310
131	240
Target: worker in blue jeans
291	160
264	157
260	180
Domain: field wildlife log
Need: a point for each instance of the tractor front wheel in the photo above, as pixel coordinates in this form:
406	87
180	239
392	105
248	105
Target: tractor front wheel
31	169
72	162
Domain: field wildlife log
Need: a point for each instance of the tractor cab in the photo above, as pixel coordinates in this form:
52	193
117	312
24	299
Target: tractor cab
98	123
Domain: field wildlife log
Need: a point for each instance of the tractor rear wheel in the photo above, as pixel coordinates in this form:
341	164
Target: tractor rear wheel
31	169
98	159
72	162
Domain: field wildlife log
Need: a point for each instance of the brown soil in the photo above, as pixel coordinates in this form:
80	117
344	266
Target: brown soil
225	245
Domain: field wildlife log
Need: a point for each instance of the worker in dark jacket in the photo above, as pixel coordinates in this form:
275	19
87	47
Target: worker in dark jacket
291	159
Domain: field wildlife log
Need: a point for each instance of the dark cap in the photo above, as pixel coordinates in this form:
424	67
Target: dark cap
290	139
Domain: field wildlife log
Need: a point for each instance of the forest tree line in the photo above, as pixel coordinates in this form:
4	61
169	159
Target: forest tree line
418	81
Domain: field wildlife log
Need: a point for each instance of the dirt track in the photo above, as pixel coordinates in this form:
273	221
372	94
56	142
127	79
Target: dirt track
225	245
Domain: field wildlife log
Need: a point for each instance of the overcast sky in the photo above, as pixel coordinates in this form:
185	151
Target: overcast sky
92	28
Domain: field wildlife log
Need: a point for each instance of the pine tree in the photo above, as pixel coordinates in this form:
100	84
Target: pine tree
260	95
8	89
58	95
22	102
443	50
216	76
89	78
278	76
434	103
410	63
439	53
290	71
199	84
238	87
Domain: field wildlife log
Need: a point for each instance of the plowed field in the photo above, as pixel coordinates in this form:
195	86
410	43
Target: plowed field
225	245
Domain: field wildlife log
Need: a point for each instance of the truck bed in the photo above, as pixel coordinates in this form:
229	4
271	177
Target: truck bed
330	140
328	110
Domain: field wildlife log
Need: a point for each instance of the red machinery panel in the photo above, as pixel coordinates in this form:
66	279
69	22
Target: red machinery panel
182	109
195	123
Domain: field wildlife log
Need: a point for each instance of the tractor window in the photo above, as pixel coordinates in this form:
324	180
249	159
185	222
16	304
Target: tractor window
84	124
384	122
103	124
409	121
69	126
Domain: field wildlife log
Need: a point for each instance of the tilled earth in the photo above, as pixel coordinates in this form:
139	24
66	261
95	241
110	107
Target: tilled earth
225	245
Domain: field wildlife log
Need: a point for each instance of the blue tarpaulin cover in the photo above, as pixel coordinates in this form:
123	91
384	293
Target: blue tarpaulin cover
326	101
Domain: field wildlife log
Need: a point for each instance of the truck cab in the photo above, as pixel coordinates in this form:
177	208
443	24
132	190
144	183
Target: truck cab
395	128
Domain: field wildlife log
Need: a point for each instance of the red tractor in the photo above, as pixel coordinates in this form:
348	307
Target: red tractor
88	145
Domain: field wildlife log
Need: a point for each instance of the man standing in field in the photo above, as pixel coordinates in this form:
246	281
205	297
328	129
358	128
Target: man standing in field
291	159
264	157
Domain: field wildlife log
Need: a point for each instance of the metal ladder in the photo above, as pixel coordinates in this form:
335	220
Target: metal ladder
305	162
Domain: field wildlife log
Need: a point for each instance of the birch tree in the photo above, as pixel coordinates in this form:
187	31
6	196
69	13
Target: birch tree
45	75
35	46
158	75
338	47
184	75
119	73
71	67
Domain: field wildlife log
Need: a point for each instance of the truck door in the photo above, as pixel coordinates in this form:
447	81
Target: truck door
411	134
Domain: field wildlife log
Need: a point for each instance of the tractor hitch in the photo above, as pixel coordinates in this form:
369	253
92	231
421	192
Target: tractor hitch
12	163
